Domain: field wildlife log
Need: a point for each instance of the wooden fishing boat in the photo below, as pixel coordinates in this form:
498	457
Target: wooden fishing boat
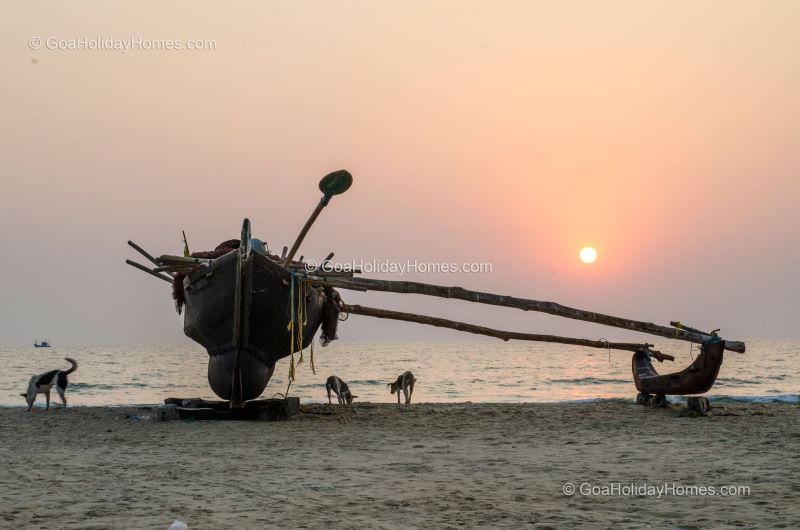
249	309
697	378
238	307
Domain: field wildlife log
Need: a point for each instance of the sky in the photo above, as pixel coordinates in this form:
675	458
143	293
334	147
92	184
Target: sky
664	134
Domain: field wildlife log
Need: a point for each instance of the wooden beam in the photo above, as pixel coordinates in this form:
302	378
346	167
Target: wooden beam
322	204
551	308
504	335
148	271
166	259
143	252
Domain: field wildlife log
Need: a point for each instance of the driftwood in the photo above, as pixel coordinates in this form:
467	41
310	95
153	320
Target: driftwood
148	271
504	335
551	308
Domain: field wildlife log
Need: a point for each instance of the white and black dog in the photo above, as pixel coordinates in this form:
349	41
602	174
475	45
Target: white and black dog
340	388
42	383
405	382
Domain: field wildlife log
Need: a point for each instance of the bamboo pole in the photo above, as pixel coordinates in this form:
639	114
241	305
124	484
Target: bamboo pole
504	335
551	308
166	259
143	252
175	268
148	271
315	274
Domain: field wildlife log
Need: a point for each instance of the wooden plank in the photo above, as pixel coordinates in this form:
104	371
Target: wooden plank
261	409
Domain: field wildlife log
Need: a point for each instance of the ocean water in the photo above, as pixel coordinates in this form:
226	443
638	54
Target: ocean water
484	371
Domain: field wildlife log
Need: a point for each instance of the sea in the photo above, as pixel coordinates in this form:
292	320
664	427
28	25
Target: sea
447	372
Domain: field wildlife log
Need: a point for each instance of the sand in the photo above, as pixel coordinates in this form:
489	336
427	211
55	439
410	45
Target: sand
384	466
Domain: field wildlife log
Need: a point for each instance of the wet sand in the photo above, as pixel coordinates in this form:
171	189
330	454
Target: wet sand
384	466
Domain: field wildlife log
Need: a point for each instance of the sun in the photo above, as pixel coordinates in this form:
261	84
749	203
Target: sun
588	254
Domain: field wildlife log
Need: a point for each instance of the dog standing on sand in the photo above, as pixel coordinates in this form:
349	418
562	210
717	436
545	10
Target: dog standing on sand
405	382
42	383
340	388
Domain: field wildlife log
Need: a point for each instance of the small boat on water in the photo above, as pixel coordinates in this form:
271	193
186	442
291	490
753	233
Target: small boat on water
43	344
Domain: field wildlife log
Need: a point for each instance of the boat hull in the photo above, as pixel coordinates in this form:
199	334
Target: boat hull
698	378
239	308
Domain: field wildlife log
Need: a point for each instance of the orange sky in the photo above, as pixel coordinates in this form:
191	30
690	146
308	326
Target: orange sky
664	134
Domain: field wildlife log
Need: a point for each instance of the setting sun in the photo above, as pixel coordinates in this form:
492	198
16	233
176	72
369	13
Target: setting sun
588	254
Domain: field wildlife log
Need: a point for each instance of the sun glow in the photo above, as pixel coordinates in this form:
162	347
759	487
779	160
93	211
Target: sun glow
588	254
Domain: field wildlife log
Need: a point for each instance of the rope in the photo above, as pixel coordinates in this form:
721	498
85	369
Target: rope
608	345
298	320
290	328
313	369
300	317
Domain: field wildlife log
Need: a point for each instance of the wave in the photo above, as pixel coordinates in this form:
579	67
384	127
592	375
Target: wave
779	398
590	381
733	381
101	386
589	400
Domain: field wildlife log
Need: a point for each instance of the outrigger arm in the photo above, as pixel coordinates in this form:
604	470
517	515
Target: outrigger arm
552	308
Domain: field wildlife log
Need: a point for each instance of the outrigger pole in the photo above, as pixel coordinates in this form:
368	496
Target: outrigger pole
552	308
505	335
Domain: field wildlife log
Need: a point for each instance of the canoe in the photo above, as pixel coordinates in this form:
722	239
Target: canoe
238	307
697	378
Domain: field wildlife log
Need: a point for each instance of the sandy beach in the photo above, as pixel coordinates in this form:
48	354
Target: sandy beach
384	466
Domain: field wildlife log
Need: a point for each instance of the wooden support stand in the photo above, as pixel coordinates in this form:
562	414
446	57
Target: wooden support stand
199	409
699	405
651	400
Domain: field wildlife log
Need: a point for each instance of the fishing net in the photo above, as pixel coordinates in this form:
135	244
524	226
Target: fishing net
331	308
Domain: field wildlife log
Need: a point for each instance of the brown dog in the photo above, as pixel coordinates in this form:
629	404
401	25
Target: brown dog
340	388
404	382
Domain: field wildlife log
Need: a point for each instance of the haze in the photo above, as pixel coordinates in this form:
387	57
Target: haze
663	134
